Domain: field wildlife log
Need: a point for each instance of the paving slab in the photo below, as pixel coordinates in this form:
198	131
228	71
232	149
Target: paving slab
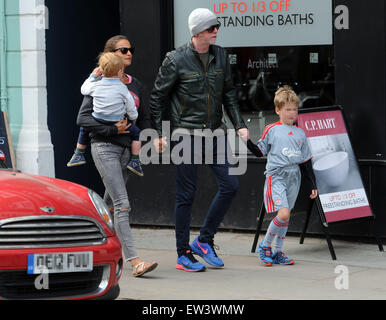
358	273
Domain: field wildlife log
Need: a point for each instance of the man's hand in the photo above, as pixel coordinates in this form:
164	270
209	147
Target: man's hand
314	193
243	133
122	126
160	144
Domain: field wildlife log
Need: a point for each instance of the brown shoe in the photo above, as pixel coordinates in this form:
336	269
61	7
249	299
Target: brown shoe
143	267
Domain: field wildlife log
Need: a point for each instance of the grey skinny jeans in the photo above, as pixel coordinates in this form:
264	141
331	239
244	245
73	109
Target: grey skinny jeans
111	161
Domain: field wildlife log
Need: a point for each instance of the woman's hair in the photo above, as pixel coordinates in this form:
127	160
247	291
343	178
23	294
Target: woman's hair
112	42
285	95
110	64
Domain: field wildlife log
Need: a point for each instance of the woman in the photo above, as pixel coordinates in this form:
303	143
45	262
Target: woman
110	151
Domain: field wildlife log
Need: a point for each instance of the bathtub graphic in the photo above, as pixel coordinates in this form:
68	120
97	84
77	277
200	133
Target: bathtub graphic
332	169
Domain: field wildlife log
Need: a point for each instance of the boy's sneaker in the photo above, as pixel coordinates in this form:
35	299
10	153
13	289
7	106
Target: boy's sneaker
207	252
135	166
77	159
265	255
188	263
280	258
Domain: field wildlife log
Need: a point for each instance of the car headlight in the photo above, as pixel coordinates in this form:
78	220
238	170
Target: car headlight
102	208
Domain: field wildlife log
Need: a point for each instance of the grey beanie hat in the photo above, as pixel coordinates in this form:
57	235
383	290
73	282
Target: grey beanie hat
201	19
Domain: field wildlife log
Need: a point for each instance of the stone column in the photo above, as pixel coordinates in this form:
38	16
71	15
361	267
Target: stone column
34	151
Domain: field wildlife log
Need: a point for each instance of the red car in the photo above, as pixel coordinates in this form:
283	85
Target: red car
57	240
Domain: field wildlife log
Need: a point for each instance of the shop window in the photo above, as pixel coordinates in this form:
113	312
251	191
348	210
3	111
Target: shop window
259	71
270	44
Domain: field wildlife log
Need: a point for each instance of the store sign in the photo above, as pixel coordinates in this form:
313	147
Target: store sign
255	23
338	179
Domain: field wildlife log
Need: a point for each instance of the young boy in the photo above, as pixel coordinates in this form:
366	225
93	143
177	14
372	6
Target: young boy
286	148
112	102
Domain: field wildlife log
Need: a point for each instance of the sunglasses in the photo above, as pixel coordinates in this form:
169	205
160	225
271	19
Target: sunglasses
211	29
125	50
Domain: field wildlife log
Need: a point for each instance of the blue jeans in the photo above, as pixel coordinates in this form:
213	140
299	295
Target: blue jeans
186	181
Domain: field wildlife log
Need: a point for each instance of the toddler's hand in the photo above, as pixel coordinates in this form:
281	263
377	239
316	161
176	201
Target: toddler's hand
97	72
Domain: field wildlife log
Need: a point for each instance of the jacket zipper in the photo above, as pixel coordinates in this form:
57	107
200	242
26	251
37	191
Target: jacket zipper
206	75
183	106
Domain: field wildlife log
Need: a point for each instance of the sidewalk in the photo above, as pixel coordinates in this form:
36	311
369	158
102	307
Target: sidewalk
243	278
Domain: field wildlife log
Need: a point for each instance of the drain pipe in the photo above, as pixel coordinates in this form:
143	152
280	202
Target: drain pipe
3	58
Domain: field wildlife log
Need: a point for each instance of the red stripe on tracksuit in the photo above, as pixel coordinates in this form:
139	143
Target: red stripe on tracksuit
268	196
269	127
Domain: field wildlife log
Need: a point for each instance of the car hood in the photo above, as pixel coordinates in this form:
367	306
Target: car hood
24	195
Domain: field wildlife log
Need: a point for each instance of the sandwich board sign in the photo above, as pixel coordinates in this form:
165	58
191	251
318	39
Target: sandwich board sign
5	141
340	187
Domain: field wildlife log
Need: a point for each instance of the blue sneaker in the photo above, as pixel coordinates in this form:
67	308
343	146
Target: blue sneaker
206	251
281	258
265	255
135	166
77	159
188	263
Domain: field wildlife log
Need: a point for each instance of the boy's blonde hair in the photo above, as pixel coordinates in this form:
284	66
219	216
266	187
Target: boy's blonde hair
285	95
110	64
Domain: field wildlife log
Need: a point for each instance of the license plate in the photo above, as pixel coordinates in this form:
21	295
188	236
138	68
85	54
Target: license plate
60	262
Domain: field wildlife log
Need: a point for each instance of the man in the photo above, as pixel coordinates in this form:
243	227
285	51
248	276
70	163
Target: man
193	84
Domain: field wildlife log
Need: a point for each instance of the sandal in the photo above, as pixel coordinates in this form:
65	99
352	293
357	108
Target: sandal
140	268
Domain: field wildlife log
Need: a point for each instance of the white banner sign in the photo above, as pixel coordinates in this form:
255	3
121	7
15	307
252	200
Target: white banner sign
257	23
344	200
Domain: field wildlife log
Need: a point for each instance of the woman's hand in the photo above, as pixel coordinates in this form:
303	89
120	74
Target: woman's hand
122	126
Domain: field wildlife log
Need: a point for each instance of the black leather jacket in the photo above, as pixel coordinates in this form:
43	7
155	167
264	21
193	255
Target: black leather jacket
195	94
